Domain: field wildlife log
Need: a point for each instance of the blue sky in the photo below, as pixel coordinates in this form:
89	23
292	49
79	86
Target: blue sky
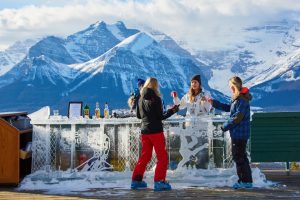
205	24
22	3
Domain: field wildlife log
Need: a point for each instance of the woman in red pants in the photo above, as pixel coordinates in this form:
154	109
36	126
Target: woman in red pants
150	111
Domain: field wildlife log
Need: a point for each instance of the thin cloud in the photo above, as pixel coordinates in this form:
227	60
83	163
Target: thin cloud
201	23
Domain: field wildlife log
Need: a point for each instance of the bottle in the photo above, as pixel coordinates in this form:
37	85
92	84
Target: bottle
176	100
106	111
205	103
86	111
97	111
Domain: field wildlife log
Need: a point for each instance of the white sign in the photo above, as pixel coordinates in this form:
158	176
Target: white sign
75	109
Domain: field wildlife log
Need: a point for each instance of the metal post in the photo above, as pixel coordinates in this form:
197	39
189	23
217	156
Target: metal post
287	168
48	145
72	137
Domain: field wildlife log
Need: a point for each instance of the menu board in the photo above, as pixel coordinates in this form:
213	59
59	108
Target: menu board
75	109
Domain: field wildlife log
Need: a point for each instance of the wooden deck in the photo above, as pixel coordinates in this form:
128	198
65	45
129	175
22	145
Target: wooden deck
288	188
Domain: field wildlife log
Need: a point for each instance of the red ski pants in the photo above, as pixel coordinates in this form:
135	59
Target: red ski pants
156	140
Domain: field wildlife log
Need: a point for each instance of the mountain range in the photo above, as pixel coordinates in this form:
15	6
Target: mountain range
267	59
99	64
103	62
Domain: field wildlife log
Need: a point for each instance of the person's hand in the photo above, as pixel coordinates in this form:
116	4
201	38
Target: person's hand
209	100
175	108
133	101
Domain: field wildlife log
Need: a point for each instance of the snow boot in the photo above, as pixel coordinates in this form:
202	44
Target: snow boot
248	185
161	185
138	185
240	185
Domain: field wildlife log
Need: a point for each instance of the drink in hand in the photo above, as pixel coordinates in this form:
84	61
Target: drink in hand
176	100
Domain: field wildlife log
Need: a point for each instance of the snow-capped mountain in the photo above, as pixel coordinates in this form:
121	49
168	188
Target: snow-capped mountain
14	54
83	45
168	43
267	56
279	86
101	63
137	56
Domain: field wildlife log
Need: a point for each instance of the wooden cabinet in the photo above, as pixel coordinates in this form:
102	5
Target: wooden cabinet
15	134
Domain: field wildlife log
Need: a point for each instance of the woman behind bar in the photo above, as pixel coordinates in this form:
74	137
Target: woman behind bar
194	101
239	128
150	110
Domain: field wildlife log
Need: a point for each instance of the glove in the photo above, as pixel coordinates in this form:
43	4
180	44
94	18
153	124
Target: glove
223	129
175	108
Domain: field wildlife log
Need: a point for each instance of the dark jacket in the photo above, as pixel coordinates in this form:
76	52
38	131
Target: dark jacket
239	122
150	110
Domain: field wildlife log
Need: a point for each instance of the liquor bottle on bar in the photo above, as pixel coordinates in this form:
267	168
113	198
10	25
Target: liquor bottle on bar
97	111
86	111
106	111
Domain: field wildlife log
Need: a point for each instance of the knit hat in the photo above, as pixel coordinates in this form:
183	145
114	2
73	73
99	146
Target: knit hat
141	82
197	78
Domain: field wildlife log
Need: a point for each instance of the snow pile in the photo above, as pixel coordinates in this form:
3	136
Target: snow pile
72	182
42	113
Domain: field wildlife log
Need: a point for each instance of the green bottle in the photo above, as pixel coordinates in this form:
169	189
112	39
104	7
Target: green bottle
86	111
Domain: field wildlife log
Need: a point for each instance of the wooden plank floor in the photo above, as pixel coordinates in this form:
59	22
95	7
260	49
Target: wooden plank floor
293	179
7	195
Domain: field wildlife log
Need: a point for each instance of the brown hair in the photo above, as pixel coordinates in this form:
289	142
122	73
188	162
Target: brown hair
237	83
192	93
151	83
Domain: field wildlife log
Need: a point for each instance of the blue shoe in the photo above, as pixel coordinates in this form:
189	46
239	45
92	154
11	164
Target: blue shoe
237	185
240	185
248	185
138	185
162	185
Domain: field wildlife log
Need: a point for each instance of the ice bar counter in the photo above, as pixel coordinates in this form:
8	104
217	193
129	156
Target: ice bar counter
114	144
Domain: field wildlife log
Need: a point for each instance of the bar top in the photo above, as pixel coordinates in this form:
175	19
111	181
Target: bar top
130	120
10	114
